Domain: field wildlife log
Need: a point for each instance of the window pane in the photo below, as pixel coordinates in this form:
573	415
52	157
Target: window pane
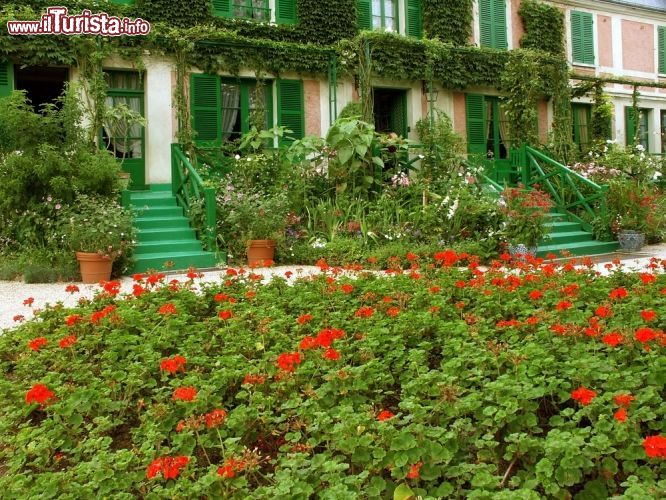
389	10
377	8
389	24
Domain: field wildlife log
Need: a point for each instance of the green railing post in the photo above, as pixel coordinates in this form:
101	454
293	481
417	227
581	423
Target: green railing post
175	178
211	217
524	164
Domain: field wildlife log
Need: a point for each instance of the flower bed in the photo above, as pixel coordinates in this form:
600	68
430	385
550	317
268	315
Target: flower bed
439	381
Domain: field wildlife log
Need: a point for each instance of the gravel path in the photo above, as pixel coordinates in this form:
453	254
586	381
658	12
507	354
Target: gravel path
13	293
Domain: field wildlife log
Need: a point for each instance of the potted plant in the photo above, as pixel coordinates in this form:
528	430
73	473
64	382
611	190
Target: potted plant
254	222
634	211
525	212
100	231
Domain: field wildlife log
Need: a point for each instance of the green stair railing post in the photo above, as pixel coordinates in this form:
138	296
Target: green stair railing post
211	217
175	171
525	167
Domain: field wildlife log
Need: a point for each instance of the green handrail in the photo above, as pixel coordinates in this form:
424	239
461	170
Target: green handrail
188	188
538	169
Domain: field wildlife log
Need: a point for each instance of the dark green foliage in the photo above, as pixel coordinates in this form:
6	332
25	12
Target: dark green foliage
325	22
449	21
176	12
544	27
40	273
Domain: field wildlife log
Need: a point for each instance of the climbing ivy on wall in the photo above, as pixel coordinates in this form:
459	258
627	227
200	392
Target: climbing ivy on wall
449	21
544	27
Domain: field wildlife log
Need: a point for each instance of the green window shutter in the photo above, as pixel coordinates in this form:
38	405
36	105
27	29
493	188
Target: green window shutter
582	37
270	120
364	14
662	49
6	78
500	40
290	107
486	23
476	123
414	22
630	125
398	117
285	11
222	8
206	107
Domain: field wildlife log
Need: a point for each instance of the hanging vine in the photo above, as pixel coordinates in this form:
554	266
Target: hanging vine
602	114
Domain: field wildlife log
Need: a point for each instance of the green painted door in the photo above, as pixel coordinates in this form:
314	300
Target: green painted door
124	138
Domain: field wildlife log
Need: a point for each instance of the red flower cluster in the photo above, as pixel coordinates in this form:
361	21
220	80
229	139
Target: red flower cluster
648	315
623	400
29	301
225	315
655	446
230	468
68	341
304	319
385	415
364	312
72	289
347	288
414	471
215	418
169	467
583	395
167	308
185	394
111	287
98	316
254	379
37	344
393	311
287	360
331	354
603	312
644	335
39	394
173	365
618	293
73	319
612	339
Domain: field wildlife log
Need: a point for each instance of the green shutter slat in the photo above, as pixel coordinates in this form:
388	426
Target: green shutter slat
270	120
414	21
285	12
588	37
222	8
500	39
6	78
576	40
364	14
486	23
206	108
398	115
630	125
662	49
476	123
290	107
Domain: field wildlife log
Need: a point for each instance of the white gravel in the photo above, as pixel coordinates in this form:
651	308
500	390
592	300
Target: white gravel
13	293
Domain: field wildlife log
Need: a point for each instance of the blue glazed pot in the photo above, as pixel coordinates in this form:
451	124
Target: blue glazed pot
631	241
521	252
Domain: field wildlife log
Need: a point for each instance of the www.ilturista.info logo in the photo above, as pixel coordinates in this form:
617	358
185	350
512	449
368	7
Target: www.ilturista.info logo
56	21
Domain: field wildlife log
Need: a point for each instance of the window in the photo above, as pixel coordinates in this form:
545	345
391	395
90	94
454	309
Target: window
661	31
637	129
125	96
581	117
223	109
492	24
384	15
582	37
258	10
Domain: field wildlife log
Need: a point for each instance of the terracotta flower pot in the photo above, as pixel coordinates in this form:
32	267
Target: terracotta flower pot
259	251
94	267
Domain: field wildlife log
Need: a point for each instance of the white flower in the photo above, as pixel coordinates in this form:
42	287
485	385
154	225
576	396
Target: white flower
318	243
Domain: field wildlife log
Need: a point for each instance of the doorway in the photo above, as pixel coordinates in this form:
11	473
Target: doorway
390	111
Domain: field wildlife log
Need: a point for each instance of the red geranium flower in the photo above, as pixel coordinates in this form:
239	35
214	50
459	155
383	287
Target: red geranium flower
225	315
169	467
68	341
168	308
72	289
385	415
618	293
655	446
38	343
603	311
536	294
393	311
29	301
563	305
583	395
254	379
331	354
304	319
287	360
648	315
647	278
185	394
138	290
172	365
612	339
645	335
414	471
623	399
215	418
308	343
347	288
364	312
39	394
620	415
72	319
230	468
18	318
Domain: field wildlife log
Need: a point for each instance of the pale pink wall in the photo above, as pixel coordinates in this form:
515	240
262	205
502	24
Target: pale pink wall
638	46
516	24
459	114
605	40
543	121
312	107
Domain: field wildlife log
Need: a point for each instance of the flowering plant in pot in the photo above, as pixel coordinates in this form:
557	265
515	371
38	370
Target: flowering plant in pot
100	231
525	212
253	222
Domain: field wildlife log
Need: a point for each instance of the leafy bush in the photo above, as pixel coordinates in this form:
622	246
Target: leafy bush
443	381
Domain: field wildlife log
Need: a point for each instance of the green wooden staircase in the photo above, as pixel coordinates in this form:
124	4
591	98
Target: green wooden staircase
165	240
570	237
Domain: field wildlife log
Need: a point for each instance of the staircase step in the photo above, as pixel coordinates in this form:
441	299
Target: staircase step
161	222
160	187
160	234
556	217
167	246
580	248
571	237
157	211
178	261
564	227
156	199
